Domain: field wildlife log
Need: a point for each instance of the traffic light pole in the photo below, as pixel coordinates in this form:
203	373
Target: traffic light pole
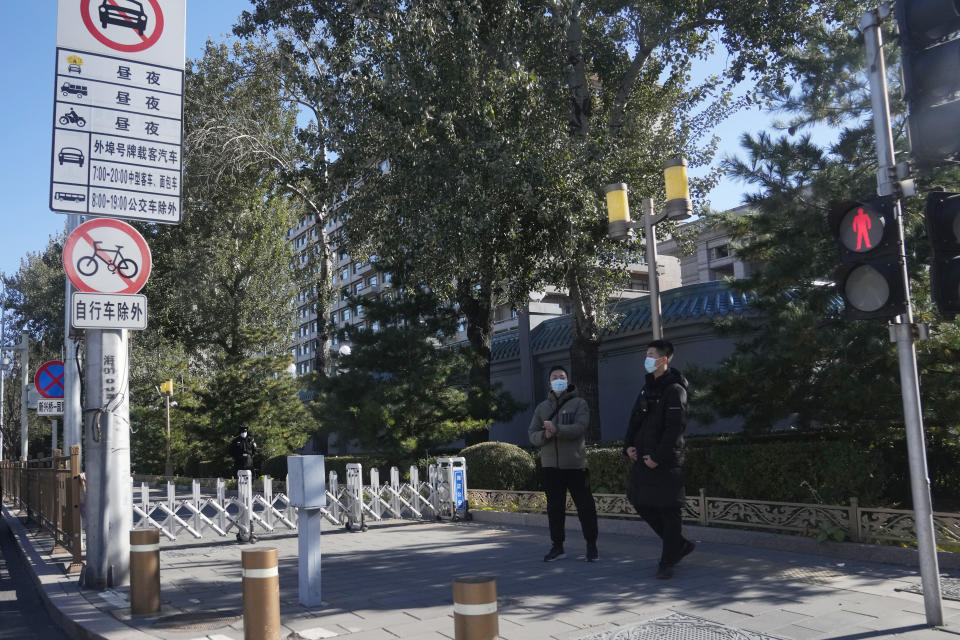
902	330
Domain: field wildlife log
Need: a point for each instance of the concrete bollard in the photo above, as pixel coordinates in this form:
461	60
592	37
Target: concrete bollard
475	608
261	594
144	571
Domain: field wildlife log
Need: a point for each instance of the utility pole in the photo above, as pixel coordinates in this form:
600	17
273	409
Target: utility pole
24	348
107	424
902	330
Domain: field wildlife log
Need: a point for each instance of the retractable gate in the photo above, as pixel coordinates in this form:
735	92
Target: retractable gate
213	512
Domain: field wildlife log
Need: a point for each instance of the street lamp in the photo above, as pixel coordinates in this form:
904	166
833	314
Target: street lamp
166	388
677	207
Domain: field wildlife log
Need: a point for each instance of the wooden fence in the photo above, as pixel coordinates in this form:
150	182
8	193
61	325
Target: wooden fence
49	491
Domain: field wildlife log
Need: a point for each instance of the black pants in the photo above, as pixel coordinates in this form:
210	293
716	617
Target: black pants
666	522
556	483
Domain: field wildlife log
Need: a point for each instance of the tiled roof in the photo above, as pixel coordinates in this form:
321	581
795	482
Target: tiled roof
705	300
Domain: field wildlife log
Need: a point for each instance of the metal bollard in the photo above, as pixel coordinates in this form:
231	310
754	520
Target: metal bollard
261	594
475	608
144	571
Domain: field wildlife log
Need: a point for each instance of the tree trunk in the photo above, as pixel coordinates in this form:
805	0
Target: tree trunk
477	307
585	354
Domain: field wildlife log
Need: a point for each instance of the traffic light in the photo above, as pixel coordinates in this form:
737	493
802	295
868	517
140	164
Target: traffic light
930	79
942	219
870	278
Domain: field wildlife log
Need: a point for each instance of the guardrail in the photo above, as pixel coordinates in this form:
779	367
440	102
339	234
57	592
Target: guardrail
850	522
49	491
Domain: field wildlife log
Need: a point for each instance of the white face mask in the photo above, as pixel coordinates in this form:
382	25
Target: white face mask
558	385
243	434
650	364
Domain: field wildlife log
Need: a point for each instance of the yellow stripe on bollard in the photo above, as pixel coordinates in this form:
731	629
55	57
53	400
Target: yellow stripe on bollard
144	571
261	594
475	608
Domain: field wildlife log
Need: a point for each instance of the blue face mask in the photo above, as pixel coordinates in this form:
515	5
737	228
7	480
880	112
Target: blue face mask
650	364
558	386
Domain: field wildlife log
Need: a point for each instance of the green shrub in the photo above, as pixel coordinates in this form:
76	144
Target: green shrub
608	470
499	466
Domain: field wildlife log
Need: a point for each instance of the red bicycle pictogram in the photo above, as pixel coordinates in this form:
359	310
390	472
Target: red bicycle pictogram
134	29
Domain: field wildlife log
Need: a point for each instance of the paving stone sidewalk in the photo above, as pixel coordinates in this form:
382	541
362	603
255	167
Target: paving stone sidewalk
394	581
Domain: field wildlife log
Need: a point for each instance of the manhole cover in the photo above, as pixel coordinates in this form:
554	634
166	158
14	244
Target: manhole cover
679	626
199	621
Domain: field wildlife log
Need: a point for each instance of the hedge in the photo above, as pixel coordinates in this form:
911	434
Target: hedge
500	466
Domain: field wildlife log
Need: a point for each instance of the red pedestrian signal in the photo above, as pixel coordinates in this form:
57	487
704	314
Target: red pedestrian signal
870	278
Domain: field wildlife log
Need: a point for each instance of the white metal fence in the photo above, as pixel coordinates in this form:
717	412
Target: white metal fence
350	506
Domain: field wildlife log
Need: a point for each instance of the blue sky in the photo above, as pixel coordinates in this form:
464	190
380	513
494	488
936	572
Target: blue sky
27	47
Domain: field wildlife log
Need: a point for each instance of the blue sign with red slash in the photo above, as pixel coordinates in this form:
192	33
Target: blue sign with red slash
49	379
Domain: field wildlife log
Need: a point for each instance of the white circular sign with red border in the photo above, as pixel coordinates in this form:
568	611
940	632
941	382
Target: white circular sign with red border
127	26
106	256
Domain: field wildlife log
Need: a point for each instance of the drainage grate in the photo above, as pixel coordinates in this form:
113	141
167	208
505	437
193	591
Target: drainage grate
679	626
949	588
808	574
199	621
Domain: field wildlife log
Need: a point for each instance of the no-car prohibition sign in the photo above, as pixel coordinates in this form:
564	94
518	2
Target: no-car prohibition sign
49	379
133	25
106	256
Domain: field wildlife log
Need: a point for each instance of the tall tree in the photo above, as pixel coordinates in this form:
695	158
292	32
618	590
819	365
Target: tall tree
401	390
797	360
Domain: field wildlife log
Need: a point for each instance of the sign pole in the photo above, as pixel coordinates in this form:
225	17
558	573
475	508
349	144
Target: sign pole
72	434
53	436
902	332
110	501
24	348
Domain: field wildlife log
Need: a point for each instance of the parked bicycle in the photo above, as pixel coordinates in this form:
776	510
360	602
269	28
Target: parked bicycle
72	117
88	265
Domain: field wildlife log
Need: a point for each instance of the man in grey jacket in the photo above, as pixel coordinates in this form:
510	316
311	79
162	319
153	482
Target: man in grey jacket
558	428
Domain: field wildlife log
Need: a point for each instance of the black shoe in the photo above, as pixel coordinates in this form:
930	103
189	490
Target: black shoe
592	554
555	553
688	548
664	572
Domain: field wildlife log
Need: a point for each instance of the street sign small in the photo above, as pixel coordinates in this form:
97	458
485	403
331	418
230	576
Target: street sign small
49	379
108	311
106	256
50	407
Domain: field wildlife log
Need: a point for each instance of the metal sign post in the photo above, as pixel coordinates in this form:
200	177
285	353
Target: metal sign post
902	332
72	434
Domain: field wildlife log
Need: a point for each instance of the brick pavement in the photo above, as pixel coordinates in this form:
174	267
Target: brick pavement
394	581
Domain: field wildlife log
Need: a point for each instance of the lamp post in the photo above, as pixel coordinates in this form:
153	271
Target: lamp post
166	388
5	364
677	207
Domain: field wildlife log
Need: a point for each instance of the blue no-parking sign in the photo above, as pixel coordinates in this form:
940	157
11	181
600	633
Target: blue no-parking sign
49	379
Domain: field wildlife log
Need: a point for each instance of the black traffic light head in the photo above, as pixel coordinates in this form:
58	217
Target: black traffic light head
871	277
865	228
930	79
942	220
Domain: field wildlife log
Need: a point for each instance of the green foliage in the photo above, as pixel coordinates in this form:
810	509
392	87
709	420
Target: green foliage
783	471
608	470
499	465
399	392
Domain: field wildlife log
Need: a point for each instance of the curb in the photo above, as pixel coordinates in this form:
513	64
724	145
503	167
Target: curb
62	598
857	551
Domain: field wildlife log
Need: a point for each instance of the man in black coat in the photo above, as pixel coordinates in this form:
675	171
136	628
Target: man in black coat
654	442
242	449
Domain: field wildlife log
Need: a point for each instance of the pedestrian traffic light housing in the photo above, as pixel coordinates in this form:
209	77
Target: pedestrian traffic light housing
870	278
930	80
942	220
